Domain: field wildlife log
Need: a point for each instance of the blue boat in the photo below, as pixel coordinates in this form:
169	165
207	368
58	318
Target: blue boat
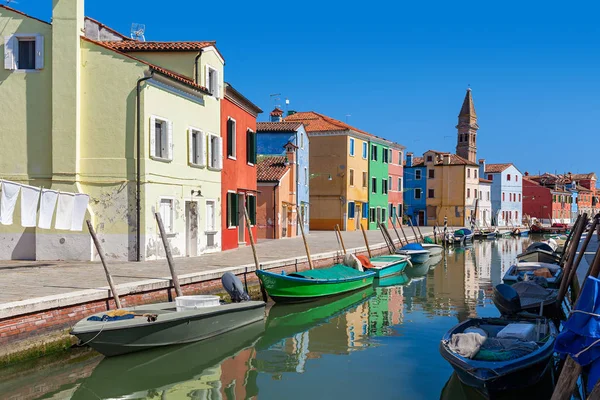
494	369
418	254
463	235
388	265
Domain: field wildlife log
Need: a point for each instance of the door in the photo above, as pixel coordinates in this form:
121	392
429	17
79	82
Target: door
421	221
191	223
241	218
211	226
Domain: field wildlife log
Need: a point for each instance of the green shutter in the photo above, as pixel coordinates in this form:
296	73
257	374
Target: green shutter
251	147
229	137
251	204
232	209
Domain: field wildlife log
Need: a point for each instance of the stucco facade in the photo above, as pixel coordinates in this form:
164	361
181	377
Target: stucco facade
396	182
378	183
507	192
415	189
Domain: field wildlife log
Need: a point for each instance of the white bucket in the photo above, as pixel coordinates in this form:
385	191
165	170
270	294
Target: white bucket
185	303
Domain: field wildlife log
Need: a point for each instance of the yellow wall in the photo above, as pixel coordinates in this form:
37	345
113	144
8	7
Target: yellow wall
449	190
180	62
357	193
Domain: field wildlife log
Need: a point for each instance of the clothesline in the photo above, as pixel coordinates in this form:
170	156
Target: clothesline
70	207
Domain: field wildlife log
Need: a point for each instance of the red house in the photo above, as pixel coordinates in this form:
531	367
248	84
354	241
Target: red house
547	204
238	177
395	182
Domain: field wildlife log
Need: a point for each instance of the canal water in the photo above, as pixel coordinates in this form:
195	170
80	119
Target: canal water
379	343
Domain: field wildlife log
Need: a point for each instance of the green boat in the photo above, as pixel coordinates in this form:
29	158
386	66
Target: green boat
314	284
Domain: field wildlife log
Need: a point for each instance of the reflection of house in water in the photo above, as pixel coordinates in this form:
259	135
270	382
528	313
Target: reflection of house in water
238	380
483	256
385	310
357	325
507	250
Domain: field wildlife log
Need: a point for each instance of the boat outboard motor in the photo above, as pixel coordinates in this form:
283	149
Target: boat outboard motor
506	299
234	287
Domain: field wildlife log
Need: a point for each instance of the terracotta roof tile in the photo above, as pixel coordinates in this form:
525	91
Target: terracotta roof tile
277	126
579	177
315	122
457	160
417	162
481	180
277	112
271	168
134	45
496	168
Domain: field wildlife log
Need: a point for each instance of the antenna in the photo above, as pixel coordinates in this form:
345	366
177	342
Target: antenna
137	31
275	99
11	1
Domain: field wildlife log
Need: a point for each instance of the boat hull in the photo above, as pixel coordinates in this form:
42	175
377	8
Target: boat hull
539	256
290	289
434	249
126	336
416	256
392	268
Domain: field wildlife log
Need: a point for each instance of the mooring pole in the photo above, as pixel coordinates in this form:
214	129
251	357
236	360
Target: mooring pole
256	263
111	284
167	246
310	264
362	228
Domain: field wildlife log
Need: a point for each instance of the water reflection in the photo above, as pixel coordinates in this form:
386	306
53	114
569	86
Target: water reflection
319	349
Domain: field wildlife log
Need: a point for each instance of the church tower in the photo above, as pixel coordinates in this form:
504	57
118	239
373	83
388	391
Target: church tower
466	145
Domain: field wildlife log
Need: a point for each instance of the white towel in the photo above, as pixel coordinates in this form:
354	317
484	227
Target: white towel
10	192
79	208
64	211
47	206
29	201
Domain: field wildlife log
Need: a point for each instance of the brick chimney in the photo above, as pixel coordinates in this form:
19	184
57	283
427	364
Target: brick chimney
277	115
446	158
409	159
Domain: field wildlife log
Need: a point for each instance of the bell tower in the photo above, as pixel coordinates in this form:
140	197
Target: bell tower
466	145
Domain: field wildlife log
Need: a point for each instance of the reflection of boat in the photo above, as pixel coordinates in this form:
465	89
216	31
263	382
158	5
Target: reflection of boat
520	232
314	284
417	253
396	280
493	367
137	375
434	249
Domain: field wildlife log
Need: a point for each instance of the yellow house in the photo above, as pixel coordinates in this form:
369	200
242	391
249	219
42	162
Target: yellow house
339	172
136	125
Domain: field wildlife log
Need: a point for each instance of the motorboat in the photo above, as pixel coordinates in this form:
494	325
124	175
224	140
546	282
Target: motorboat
418	254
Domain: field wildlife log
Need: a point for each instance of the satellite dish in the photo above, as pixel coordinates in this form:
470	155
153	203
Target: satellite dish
137	32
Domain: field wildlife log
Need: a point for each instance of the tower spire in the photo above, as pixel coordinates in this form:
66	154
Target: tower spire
466	145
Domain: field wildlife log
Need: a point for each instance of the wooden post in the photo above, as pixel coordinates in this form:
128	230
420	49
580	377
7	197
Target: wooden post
396	230
564	284
167	246
362	228
568	241
310	264
581	254
402	229
339	232
420	234
413	230
111	284
256	263
435	229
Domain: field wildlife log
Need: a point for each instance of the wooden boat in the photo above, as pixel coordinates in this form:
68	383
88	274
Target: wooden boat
314	284
388	265
520	232
539	252
526	270
485	372
527	297
434	249
418	254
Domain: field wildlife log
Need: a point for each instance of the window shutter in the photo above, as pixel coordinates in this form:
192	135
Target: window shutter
230	134
152	137
252	209
39	52
249	147
170	140
209	150
217	85
207	78
190	146
253	136
219	153
202	149
9	56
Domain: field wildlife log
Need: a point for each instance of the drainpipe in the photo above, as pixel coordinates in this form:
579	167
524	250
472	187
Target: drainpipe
275	210
138	206
196	66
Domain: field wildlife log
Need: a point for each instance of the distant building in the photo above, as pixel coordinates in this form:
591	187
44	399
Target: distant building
506	191
549	204
484	212
415	187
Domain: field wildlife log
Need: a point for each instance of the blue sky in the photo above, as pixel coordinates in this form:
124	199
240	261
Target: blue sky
400	69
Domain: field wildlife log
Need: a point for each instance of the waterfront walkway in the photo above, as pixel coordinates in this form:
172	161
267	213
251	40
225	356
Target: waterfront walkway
26	285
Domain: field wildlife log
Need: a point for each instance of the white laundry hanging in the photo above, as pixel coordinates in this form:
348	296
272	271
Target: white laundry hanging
64	211
47	206
30	197
8	200
80	204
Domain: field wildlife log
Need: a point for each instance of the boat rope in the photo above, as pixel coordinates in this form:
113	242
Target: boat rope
97	334
587	348
585	312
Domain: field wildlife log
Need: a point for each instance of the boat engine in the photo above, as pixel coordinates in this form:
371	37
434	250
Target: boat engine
234	287
506	299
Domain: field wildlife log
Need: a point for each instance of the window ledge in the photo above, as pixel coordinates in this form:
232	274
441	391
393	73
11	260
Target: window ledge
27	71
232	157
214	169
210	232
165	160
197	165
250	164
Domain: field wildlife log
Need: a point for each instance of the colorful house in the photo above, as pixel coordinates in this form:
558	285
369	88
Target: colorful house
415	185
276	181
133	124
587	181
238	177
396	181
379	156
549	204
507	192
272	137
483	217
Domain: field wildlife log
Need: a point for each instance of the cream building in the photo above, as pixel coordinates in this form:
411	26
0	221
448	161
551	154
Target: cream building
136	125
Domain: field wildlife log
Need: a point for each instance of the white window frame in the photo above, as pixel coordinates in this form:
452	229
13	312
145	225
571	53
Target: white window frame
234	145
229	226
214	164
418	174
400	183
352	147
11	51
365	179
216	91
400	158
374	152
302	140
365	150
201	162
373	187
216	227
390	183
305	176
169	138
169	230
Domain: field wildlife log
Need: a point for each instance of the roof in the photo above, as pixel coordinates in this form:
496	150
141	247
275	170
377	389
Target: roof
277	126
277	111
315	122
534	183
234	95
417	162
481	180
23	14
496	168
173	75
468	107
271	168
134	45
579	177
582	188
457	160
454	160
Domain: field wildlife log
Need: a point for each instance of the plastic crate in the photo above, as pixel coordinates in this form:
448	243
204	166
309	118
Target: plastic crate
193	302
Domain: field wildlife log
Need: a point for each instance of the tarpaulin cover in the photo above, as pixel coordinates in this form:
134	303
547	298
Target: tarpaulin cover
412	246
581	335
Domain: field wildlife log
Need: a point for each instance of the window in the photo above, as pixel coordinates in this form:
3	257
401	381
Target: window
166	214
211	225
389	183
392	211
161	138
364	179
516	212
399	158
378	214
373	185
197	148
391	156
365	210
384	155
383	215
371	214
431	173
212	81
250	147
24	52
351	177
430	193
475	193
306	176
417	193
488	196
418	174
468	193
352	147
231	137
490	177
475	171
351	210
364	150
301	140
400	210
215	152
503	196
429	158
400	184
373	152
251	208
516	180
384	186
232	209
508	177
468	172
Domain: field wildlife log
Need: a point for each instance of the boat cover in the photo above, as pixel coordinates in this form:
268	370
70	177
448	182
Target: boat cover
428	240
463	232
338	271
531	293
412	246
580	337
540	246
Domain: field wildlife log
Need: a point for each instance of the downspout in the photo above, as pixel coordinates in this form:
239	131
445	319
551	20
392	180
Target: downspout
297	182
138	207
197	80
275	210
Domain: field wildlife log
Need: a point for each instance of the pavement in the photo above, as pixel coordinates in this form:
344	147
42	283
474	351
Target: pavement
25	281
